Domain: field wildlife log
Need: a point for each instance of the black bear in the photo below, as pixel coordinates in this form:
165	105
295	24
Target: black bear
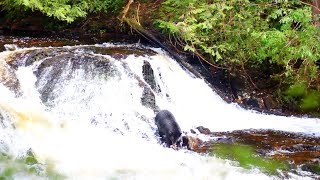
168	128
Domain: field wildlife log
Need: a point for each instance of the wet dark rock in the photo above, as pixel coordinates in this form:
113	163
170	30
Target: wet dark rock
298	150
27	39
148	75
118	56
10	47
248	89
204	130
193	131
219	79
8	77
251	102
122	52
39	54
58	64
313	167
225	140
197	145
270	103
148	99
48	75
294	147
28	57
237	84
148	96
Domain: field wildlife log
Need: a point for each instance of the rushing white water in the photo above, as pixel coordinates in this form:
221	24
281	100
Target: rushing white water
97	128
194	104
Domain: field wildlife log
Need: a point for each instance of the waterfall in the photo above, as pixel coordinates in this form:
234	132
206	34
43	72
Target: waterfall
90	123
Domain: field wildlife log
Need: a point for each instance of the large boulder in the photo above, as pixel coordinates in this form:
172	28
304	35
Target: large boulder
151	87
8	77
299	150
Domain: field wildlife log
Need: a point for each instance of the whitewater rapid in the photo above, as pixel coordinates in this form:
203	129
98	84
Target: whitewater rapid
97	128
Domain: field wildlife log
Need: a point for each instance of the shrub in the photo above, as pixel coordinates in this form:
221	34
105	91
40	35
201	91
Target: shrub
249	33
65	10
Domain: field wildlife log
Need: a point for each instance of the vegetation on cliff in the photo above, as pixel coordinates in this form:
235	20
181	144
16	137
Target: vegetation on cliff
253	34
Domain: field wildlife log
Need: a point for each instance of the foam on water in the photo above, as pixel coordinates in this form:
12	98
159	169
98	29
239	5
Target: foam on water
194	104
96	128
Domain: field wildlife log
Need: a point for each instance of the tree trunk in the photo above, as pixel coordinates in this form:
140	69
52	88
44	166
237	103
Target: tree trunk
316	12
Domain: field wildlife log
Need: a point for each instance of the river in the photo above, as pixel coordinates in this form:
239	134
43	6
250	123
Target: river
83	115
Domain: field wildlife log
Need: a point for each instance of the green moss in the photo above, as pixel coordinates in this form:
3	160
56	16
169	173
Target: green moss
248	158
311	101
296	90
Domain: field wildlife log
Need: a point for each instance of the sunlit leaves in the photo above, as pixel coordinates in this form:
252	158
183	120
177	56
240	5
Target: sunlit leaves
65	10
168	27
188	48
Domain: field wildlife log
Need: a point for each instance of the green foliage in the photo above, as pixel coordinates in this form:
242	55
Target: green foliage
26	167
247	158
173	10
249	33
296	90
299	96
311	101
66	10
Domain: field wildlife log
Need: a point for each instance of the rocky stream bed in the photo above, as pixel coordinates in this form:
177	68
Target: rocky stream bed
300	151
